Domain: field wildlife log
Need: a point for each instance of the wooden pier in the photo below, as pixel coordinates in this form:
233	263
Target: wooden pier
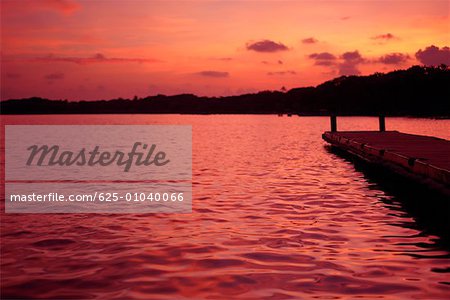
424	158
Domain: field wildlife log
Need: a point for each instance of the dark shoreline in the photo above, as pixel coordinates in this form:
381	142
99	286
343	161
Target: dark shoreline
229	114
415	92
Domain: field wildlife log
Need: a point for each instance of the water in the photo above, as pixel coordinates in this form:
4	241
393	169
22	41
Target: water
275	216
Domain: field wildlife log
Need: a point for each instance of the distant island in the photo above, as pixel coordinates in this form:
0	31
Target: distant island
418	91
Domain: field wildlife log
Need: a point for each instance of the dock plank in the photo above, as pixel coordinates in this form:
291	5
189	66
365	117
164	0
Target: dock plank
421	155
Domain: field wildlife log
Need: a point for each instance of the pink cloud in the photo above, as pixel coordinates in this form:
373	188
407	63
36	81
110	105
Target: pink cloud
323	58
433	56
213	74
352	56
347	69
386	36
267	46
323	55
288	72
223	58
346	64
350	63
278	62
310	40
394	59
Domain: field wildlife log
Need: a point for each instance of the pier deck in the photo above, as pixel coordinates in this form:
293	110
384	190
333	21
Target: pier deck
422	157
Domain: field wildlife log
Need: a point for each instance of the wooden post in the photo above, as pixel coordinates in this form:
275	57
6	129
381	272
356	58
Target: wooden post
382	123
333	121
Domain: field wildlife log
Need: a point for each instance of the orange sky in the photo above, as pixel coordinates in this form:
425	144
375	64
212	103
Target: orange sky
65	49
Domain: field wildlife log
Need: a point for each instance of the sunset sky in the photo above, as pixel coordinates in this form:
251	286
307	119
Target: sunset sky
66	49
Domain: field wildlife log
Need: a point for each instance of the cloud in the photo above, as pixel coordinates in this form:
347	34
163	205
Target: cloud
433	56
222	58
347	69
323	55
213	74
278	62
288	72
267	46
54	76
323	58
346	64
349	65
393	59
352	56
310	40
386	36
97	58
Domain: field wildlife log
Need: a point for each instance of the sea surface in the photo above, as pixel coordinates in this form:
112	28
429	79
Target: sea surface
276	215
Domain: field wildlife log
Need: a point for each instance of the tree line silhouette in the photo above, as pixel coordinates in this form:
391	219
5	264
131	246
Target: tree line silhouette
417	91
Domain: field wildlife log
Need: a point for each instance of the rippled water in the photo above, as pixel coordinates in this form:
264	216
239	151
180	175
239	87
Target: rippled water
275	216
